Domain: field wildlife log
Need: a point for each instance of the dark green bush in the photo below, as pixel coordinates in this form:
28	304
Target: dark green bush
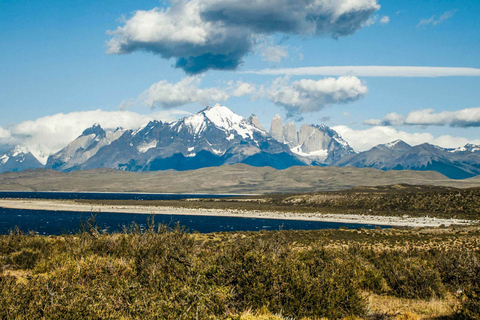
470	307
409	276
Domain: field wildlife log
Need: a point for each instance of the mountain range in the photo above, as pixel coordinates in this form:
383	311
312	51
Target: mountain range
217	136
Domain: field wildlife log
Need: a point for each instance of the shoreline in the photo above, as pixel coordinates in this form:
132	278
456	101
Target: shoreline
69	205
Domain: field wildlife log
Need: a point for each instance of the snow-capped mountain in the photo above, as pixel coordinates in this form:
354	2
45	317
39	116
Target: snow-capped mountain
211	137
313	144
18	159
83	148
457	163
217	136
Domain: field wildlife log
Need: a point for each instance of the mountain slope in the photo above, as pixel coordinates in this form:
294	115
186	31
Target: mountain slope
18	159
458	163
312	144
211	137
83	148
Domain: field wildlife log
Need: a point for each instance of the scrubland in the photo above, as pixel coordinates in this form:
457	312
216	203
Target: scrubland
167	273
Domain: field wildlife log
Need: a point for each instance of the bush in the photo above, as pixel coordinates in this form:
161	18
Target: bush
409	277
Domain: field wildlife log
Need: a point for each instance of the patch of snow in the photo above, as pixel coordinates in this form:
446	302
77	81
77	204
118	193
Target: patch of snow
134	133
191	155
230	137
392	144
341	141
4	159
191	149
320	155
19	150
144	147
196	123
223	117
226	119
218	152
467	147
460	149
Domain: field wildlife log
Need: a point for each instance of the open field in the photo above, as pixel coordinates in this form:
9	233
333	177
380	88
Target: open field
169	274
227	179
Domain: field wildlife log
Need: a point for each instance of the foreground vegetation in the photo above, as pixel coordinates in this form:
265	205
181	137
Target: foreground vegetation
167	273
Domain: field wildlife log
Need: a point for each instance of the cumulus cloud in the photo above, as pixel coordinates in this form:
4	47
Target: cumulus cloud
217	34
4	133
385	20
313	95
271	52
373	71
464	118
362	140
166	95
47	135
433	20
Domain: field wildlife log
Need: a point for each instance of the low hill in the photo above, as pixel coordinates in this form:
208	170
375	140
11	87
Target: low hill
229	179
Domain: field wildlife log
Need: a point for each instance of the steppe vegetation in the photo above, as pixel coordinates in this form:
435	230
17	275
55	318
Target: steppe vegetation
168	273
395	200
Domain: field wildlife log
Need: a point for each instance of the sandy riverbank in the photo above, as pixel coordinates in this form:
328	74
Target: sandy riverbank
67	205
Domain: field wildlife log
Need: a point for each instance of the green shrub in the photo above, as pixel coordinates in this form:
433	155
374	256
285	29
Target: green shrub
409	277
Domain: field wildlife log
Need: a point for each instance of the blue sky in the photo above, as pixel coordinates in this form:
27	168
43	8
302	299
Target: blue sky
54	60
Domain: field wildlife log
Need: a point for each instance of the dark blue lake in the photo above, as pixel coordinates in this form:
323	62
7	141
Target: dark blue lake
61	222
104	195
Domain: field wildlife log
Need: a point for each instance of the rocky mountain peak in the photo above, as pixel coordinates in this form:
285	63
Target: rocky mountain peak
397	145
256	122
96	129
276	128
222	116
18	159
469	147
311	143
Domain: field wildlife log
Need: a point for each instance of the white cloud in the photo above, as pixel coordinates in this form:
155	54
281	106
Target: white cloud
433	20
372	71
311	96
362	140
4	133
217	34
464	118
47	135
242	89
167	95
271	52
385	20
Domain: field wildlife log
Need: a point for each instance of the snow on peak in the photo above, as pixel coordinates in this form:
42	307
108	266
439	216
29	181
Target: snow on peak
4	159
222	117
196	123
468	147
396	144
19	150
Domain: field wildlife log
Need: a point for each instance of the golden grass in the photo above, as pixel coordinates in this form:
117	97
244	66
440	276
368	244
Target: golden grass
406	309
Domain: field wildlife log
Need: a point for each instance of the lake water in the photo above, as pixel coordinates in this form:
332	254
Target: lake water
61	222
104	195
